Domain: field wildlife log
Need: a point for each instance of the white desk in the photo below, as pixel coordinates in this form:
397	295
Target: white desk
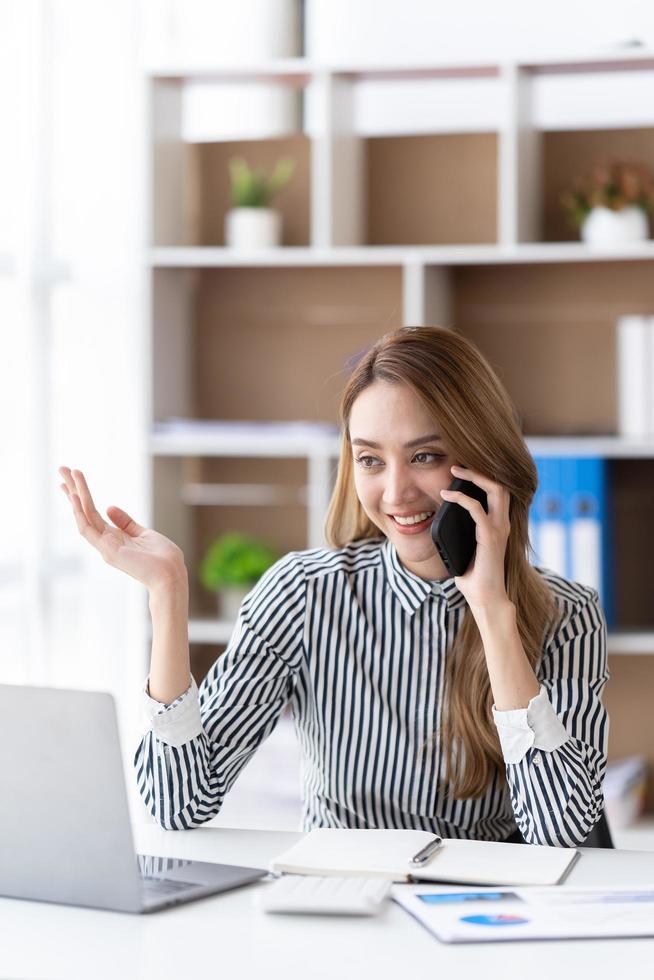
225	937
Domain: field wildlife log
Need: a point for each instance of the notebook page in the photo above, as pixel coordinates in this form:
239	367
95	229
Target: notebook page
477	862
353	852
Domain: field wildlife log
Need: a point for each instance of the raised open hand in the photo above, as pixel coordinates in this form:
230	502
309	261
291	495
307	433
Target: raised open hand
146	555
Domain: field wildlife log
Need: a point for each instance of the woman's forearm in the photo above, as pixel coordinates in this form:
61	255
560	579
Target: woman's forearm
512	678
170	666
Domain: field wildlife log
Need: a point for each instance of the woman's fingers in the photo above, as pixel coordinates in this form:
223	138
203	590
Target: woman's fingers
498	496
83	526
489	486
123	521
473	506
86	499
77	491
67	476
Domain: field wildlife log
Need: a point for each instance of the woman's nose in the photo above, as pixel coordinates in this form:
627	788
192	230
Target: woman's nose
399	487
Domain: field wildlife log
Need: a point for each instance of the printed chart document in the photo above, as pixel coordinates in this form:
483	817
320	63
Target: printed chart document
458	915
388	853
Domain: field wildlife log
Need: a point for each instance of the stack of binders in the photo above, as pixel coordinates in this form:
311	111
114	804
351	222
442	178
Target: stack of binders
569	522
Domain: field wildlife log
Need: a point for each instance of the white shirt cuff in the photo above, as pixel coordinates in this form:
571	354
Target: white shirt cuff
537	726
177	722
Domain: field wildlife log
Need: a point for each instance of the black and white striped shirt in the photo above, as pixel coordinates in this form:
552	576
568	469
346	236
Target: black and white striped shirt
357	646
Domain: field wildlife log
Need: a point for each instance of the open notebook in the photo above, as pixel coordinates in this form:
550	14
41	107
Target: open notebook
387	854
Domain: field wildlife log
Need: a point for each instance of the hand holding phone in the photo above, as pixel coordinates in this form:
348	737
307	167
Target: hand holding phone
453	530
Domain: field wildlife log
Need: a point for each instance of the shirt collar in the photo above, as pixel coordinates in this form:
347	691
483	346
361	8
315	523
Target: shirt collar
411	590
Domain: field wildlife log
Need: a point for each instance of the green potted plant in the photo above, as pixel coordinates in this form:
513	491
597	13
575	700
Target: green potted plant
251	222
232	565
611	204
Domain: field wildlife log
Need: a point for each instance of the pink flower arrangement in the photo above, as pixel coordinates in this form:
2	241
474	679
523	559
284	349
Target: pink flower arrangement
614	186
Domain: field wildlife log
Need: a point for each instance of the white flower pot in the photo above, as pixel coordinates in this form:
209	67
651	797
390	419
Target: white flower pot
230	599
253	228
603	227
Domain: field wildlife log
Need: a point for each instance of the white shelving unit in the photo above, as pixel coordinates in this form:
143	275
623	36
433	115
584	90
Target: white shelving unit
215	632
331	94
319	449
232	444
518	103
215	257
332	103
629	643
337	191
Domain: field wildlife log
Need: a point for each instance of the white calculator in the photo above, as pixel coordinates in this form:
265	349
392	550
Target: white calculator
326	895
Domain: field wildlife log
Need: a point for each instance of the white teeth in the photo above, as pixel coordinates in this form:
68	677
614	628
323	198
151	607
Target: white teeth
416	519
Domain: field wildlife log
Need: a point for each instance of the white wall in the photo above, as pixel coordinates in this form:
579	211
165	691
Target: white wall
472	31
435	30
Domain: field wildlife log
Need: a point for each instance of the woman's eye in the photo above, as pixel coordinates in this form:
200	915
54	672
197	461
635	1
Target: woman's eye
366	461
427	457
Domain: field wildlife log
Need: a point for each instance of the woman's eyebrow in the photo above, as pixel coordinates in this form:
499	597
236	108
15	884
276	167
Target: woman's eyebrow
432	437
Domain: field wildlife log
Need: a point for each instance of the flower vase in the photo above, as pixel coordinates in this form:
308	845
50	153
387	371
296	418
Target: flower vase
603	228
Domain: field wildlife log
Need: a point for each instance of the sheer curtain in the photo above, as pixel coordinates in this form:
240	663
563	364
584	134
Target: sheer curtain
72	374
13	367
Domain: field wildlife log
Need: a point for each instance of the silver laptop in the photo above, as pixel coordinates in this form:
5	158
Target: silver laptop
65	831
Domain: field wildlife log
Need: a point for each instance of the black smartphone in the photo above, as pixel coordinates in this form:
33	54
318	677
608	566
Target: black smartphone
453	529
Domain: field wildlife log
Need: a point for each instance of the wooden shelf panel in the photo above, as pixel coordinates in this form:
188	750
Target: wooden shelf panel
250	344
550	333
296	335
628	697
432	189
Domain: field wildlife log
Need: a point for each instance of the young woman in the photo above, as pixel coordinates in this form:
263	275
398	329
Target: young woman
468	706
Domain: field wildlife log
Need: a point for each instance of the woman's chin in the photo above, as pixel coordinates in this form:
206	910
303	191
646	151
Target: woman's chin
419	547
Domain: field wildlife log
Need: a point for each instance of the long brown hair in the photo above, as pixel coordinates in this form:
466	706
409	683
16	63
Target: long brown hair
479	426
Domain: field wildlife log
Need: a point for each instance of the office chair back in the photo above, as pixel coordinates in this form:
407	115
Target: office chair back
600	835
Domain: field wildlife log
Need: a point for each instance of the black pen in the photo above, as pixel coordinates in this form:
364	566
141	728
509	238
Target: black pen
423	856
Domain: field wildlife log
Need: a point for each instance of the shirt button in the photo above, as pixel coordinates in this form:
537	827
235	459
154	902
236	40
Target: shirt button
536	758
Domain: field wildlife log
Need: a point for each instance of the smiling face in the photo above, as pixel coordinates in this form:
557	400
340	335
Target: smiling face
400	466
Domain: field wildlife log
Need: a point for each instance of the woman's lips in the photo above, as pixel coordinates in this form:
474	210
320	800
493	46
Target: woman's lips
413	528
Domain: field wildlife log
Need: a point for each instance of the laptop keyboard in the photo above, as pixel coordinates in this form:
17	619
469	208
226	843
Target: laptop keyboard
158	887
